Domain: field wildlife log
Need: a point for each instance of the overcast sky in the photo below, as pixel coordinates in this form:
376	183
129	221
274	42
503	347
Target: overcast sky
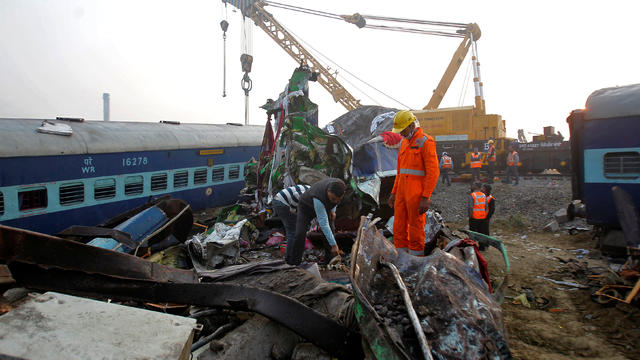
162	60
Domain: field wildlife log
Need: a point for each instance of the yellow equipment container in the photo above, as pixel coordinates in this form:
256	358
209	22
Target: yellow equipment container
461	123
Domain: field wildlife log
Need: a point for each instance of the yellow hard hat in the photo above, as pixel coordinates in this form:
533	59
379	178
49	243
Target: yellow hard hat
402	119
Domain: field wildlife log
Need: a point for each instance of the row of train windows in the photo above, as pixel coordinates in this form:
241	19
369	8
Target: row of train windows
622	165
103	189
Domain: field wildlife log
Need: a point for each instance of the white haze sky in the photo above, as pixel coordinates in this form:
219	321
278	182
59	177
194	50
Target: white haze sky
162	60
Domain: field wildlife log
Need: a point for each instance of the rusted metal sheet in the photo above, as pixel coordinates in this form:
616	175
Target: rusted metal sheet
18	245
306	322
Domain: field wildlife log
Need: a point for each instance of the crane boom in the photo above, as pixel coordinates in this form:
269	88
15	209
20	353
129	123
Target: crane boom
472	34
264	20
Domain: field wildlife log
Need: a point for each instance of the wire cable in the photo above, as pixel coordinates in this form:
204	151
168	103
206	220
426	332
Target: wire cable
460	26
347	71
414	31
415	21
465	83
304	10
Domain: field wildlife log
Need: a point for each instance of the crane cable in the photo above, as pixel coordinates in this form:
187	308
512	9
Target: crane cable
465	82
224	25
348	72
458	33
246	60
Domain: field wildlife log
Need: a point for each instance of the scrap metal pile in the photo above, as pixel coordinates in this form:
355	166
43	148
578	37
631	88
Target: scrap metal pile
228	274
358	147
456	310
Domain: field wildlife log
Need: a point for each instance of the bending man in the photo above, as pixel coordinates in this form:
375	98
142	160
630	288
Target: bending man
320	200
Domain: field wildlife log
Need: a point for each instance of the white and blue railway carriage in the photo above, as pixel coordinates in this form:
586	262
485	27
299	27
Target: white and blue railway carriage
605	151
49	182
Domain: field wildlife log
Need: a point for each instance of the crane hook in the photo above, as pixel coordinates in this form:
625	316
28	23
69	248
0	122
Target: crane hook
246	83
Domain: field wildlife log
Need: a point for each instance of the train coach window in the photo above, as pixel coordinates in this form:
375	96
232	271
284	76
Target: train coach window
133	185
1	203
217	175
200	176
33	199
622	165
159	182
71	193
104	189
180	179
234	172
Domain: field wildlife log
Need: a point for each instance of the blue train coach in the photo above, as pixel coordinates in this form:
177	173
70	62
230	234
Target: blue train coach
54	174
605	151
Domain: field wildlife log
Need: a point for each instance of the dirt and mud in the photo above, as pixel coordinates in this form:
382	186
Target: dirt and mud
563	321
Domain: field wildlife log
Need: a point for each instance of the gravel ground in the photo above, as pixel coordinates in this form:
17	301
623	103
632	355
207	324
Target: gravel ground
532	203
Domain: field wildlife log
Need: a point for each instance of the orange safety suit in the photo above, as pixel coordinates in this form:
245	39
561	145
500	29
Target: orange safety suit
417	176
492	153
476	160
479	205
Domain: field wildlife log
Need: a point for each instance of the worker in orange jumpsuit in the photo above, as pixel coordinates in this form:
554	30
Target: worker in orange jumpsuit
416	177
476	164
491	159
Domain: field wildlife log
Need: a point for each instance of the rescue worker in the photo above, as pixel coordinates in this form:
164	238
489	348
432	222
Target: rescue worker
512	165
491	208
446	164
476	163
285	206
476	207
417	176
491	160
320	200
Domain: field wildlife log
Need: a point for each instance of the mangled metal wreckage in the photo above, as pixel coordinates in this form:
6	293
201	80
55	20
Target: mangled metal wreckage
296	151
438	298
398	307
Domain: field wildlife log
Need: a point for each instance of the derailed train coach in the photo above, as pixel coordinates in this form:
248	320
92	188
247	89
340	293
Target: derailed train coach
605	152
58	173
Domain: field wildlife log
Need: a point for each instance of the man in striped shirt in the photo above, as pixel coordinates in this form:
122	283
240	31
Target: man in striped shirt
317	201
285	206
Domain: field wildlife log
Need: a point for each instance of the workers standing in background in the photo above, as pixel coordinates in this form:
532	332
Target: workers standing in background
476	164
491	208
446	164
491	159
512	165
476	207
416	177
319	201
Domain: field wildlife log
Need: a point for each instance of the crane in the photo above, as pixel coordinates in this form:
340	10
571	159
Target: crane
254	9
470	33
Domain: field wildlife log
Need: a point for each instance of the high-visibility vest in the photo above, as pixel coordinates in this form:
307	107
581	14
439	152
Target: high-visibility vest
511	158
492	153
446	162
489	199
479	205
476	161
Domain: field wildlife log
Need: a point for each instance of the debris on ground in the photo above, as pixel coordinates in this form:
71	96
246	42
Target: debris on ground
452	301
